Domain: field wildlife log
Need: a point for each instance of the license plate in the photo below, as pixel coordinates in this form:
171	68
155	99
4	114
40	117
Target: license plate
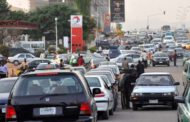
3	110
153	101
48	111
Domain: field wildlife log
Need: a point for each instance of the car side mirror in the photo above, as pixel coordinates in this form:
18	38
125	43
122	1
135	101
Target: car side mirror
176	83
133	84
179	99
96	91
137	80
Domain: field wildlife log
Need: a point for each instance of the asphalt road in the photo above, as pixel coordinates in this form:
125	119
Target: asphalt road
151	114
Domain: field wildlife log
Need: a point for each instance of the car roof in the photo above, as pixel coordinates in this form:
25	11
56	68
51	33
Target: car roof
156	73
10	78
51	71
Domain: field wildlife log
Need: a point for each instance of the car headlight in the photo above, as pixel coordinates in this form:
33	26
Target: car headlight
136	94
169	94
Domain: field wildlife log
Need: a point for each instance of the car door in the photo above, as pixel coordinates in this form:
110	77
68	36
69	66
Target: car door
184	109
109	91
29	57
185	74
21	57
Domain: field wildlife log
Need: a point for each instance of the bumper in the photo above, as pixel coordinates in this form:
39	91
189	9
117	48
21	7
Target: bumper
165	100
80	119
102	105
2	113
160	62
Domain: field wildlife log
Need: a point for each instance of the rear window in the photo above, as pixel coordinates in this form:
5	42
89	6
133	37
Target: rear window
6	85
93	82
47	84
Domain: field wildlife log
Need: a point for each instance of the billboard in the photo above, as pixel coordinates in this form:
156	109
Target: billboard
107	23
117	8
76	21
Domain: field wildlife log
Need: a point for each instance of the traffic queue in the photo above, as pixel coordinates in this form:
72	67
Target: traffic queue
55	92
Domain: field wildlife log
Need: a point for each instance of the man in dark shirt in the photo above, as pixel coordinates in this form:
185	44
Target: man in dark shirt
140	68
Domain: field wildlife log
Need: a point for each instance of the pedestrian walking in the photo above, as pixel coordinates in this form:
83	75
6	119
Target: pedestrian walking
140	68
61	64
80	61
23	66
175	57
3	70
125	64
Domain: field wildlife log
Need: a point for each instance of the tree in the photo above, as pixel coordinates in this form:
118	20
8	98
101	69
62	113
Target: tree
45	18
4	6
84	6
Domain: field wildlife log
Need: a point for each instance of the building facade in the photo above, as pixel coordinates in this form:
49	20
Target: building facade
30	5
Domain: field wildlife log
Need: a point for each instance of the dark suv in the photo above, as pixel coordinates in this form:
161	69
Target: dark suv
52	96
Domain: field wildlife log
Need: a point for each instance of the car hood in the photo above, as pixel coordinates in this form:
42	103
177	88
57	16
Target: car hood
154	89
4	98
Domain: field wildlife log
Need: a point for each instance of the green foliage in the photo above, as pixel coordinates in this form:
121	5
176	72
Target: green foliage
45	18
93	49
4	6
62	50
84	6
4	50
51	50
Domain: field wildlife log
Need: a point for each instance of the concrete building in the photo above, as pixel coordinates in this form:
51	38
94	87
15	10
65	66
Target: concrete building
27	5
99	9
30	5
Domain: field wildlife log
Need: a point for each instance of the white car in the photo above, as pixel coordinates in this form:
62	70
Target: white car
168	39
19	58
104	100
157	88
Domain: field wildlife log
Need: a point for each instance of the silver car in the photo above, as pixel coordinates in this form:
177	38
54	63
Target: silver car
158	88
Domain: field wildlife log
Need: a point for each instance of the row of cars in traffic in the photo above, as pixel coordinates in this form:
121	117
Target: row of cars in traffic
49	93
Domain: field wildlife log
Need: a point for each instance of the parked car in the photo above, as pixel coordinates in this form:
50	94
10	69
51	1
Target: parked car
186	57
47	66
34	63
168	39
5	88
158	88
53	95
113	53
19	58
183	112
160	58
104	100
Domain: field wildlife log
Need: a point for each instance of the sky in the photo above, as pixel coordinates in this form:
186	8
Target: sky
137	11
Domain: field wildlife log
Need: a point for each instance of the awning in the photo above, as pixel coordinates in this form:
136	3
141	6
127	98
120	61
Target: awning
14	24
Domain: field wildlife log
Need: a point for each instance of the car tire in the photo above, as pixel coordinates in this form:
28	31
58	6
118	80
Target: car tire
105	115
174	106
15	62
134	107
168	64
111	112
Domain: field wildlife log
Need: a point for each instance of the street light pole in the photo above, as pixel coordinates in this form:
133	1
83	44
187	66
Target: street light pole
148	17
56	34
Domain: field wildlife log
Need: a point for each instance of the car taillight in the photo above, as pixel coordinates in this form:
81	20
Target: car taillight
100	95
85	109
10	112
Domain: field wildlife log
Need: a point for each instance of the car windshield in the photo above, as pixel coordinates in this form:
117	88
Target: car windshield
93	82
6	85
168	38
187	55
155	80
47	84
160	55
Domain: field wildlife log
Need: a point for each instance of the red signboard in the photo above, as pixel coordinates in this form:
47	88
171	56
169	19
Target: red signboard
14	24
77	33
77	39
